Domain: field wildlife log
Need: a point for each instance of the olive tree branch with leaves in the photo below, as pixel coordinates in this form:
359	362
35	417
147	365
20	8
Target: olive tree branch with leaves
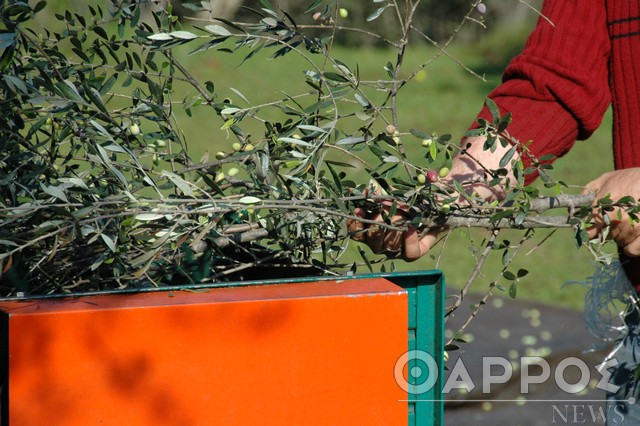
91	201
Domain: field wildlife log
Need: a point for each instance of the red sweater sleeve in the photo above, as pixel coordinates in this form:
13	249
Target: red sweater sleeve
557	89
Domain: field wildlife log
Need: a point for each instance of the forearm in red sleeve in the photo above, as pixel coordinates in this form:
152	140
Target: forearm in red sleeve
557	89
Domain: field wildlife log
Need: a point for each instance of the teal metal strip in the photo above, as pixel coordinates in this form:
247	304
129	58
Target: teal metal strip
430	335
187	287
425	292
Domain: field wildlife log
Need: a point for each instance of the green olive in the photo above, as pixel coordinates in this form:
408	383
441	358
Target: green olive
390	129
134	129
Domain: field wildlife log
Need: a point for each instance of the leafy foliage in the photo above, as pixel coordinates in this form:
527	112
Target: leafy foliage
98	189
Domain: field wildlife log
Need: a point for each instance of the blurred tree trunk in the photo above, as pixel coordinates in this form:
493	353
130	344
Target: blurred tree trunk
222	9
225	9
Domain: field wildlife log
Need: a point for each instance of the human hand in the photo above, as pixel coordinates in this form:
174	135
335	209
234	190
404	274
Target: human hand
617	184
469	169
409	245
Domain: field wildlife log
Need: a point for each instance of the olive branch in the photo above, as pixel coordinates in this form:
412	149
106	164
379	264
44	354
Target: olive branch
98	189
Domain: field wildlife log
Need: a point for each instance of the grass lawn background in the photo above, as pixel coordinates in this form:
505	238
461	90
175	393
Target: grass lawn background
444	99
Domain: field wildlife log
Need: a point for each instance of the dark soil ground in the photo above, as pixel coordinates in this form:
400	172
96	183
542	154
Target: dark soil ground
511	329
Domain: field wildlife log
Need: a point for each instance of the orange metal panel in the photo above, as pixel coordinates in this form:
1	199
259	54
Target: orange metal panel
305	353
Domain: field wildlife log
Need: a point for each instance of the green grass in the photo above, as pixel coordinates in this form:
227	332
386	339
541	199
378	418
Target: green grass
444	101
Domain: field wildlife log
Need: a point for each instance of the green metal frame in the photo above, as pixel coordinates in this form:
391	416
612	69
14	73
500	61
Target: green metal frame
426	333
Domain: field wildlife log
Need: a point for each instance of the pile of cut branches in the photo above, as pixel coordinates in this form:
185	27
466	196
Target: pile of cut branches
98	189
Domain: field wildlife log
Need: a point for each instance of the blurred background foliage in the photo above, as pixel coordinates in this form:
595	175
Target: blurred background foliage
506	22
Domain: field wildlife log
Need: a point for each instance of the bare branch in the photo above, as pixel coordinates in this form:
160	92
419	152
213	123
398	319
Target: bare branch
569	201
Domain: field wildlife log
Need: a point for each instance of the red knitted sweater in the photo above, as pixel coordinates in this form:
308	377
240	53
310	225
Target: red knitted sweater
568	74
559	88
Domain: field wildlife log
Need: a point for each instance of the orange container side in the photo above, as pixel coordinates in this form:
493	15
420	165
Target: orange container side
316	353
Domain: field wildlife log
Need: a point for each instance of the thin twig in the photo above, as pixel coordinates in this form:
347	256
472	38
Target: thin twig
538	12
476	271
476	310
